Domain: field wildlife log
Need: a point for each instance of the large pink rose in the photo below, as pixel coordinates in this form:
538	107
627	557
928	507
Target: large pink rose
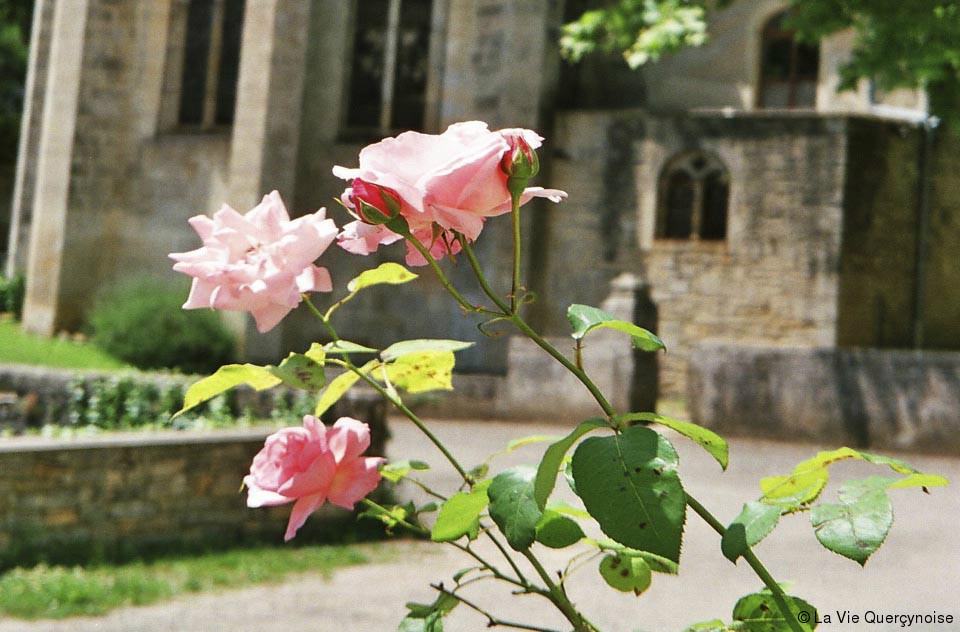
259	262
310	465
453	180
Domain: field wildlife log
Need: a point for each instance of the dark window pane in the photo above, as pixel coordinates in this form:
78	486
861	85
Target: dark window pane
716	198
367	68
195	56
777	56
788	72
808	61
678	207
413	46
229	61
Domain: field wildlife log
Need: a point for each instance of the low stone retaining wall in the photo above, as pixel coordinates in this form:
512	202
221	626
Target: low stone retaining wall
894	399
135	495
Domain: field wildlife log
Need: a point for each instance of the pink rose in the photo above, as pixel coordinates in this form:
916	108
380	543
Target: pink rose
310	465
260	262
453	180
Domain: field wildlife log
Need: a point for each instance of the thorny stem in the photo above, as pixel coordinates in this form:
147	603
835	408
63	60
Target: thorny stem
492	621
325	319
464	303
515	216
559	597
521	582
425	489
508	557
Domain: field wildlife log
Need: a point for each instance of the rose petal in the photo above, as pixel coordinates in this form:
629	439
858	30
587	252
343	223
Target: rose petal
301	510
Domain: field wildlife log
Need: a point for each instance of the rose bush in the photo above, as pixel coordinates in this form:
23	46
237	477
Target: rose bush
310	465
436	192
260	262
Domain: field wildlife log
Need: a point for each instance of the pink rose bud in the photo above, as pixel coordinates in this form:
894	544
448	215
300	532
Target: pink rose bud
521	160
311	465
373	203
260	262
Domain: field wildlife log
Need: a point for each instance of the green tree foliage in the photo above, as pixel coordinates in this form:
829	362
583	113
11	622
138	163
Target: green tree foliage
898	44
15	18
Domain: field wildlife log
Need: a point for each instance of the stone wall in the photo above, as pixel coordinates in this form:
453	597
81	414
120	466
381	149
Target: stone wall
878	262
774	279
867	398
137	496
940	274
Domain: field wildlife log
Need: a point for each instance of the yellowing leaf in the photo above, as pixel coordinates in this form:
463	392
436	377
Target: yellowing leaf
226	377
340	385
391	273
420	372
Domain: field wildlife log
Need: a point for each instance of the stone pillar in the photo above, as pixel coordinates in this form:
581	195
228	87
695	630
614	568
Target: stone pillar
267	124
53	177
30	126
496	53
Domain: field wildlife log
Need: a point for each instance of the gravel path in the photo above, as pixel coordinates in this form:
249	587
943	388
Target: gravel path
916	572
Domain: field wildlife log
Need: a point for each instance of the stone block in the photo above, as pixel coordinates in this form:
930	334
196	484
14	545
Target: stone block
889	399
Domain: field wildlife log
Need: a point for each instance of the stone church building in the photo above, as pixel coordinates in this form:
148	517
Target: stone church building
728	192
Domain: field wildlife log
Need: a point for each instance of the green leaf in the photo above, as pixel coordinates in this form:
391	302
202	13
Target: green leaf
707	439
334	391
556	531
513	506
345	346
585	319
629	484
553	458
754	523
858	525
460	513
227	377
430	623
626	573
300	371
392	273
395	471
656	563
760	613
407	347
428	617
424	371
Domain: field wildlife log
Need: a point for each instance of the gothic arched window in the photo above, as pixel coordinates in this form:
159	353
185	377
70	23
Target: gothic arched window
788	68
694	196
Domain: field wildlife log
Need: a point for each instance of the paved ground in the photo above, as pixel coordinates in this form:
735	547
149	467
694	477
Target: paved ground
916	572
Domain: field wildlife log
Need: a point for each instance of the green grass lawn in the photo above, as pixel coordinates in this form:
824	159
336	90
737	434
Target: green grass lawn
56	592
20	348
